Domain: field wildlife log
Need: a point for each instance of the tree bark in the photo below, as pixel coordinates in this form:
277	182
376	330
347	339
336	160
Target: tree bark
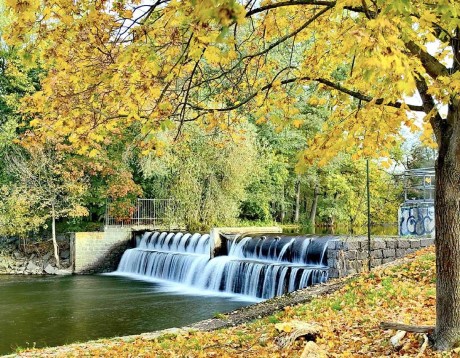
53	232
447	239
282	207
282	214
297	201
314	205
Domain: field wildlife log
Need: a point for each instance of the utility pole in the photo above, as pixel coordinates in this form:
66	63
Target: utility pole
368	217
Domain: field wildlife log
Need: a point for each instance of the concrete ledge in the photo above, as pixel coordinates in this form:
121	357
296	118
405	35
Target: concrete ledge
217	233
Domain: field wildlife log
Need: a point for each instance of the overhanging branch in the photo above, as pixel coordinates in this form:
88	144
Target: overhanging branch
329	4
355	94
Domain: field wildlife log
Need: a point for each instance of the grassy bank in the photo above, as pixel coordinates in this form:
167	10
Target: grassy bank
348	318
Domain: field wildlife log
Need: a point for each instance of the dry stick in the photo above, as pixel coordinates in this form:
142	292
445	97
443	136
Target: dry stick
424	345
406	327
396	339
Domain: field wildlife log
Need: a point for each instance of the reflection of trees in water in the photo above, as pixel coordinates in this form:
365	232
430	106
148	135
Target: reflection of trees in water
390	229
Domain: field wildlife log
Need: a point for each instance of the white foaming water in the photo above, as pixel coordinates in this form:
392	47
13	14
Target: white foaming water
261	267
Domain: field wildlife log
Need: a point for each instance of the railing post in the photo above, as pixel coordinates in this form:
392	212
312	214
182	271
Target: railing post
138	210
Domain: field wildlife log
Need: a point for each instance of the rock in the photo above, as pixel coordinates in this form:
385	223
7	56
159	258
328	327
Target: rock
51	261
17	255
4	262
31	266
50	270
47	256
63	272
65	254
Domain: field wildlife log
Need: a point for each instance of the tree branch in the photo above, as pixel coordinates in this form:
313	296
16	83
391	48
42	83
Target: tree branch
432	66
406	327
329	4
429	106
364	97
266	50
355	94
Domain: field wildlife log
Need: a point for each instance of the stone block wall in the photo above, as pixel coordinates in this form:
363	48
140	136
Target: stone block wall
97	252
346	256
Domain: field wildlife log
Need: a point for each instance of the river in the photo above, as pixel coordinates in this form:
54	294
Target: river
45	311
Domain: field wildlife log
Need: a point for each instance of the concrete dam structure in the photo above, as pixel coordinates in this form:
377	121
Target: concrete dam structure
255	266
233	261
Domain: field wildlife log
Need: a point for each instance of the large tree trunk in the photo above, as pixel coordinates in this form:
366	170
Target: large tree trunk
447	241
297	201
53	233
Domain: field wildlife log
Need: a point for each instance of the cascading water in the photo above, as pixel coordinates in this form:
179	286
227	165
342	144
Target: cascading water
261	267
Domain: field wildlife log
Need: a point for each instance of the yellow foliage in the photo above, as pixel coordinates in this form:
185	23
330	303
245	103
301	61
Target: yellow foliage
187	59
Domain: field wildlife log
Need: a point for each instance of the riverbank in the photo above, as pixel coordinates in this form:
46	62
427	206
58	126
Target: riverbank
19	257
348	313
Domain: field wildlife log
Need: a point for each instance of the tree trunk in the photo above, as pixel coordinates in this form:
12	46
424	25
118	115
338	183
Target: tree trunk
282	207
297	201
314	205
53	232
447	240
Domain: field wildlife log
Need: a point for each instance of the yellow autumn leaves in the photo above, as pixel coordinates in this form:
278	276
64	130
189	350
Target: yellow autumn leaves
187	59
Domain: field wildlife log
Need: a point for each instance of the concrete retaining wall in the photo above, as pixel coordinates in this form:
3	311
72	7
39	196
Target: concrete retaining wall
349	256
96	252
219	235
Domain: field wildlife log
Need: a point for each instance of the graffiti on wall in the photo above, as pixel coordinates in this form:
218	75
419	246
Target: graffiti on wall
416	220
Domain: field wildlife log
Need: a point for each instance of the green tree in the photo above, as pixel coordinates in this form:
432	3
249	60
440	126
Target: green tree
53	186
207	173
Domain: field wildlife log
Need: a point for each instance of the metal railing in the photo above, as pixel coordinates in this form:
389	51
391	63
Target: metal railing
419	185
142	212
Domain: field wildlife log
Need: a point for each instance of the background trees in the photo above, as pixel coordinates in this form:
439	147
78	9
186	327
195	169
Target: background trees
49	188
207	173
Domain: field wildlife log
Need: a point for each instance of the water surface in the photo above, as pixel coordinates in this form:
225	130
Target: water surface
48	311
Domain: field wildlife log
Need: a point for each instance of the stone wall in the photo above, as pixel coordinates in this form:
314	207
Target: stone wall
96	252
347	256
33	257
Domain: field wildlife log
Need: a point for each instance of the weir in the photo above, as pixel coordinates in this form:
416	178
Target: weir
261	266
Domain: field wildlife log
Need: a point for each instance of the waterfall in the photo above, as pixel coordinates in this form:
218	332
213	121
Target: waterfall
259	267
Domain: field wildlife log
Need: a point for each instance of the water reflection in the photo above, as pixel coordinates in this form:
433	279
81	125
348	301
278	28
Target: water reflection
390	229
